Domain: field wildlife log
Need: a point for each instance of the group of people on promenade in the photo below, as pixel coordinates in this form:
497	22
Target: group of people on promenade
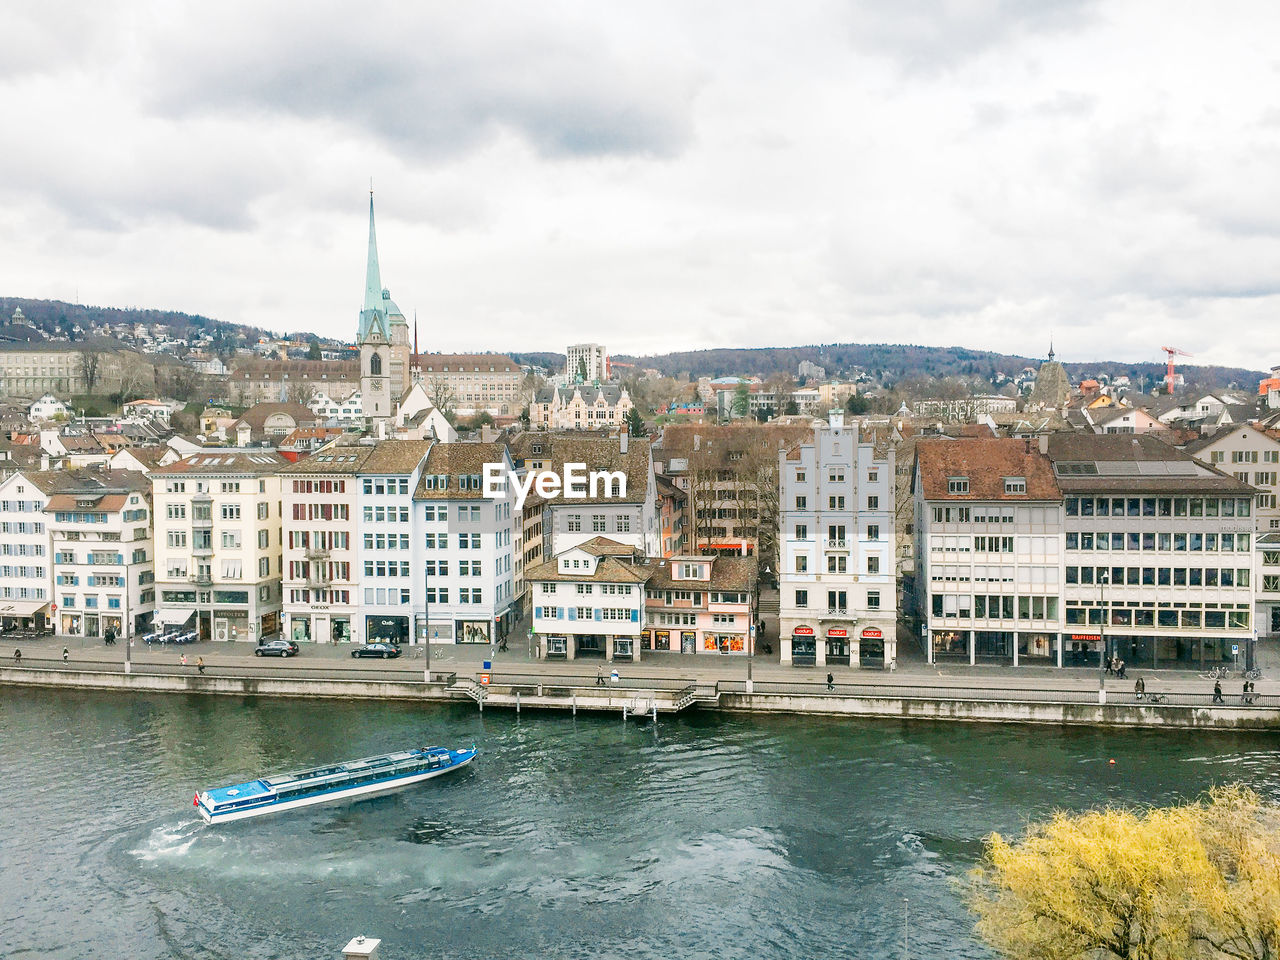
1115	666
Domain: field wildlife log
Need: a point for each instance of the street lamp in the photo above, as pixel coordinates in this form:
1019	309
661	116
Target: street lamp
1104	577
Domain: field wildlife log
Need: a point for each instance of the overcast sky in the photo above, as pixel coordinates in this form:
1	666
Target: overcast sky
660	176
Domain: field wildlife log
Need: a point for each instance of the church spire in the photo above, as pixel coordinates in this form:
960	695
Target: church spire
372	275
1050	335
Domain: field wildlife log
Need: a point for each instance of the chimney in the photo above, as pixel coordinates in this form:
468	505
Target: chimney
1027	443
1044	444
623	436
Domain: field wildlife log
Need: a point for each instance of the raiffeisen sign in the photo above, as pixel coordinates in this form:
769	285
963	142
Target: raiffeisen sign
576	483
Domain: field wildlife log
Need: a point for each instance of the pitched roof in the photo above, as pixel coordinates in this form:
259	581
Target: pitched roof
1122	463
344	459
554	450
608	570
464	363
985	463
213	463
396	456
727	573
462	458
257	415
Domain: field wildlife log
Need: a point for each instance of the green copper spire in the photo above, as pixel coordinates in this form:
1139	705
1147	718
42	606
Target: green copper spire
372	275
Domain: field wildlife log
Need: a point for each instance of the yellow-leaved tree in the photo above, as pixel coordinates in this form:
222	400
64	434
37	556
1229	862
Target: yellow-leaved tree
1201	880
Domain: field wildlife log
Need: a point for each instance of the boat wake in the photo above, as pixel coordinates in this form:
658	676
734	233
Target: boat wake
169	841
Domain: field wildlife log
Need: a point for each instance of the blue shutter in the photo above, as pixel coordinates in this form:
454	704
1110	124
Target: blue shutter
635	616
599	614
573	613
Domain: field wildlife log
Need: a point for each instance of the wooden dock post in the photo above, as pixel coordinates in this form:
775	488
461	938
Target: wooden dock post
575	703
517	702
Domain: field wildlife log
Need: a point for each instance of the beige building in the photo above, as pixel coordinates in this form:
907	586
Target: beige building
255	380
470	383
580	407
218	544
65	369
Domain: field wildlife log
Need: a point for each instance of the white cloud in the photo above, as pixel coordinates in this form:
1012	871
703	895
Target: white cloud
661	175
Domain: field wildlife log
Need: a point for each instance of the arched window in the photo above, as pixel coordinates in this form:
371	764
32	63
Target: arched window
375	364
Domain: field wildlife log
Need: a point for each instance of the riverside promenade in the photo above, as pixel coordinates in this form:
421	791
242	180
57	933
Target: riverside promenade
662	683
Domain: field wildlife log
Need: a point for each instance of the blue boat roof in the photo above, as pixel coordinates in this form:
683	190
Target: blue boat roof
239	791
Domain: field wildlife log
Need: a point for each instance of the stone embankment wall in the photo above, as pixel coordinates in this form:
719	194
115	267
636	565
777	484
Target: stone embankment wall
560	698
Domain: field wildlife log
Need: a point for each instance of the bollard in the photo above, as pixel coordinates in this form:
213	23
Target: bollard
624	713
575	703
655	711
517	702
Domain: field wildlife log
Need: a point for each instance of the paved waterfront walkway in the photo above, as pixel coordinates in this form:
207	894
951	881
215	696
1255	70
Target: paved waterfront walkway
465	660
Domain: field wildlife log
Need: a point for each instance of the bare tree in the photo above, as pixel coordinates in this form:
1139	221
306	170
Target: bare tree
302	391
442	396
90	368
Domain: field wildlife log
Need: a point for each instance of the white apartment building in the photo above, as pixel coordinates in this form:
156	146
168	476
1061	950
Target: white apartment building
837	581
322	601
988	558
391	582
100	531
465	546
1159	565
1252	455
586	362
26	557
629	516
218	557
589	601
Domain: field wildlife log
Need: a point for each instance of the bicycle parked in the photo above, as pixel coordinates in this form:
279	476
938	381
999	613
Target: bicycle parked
1224	672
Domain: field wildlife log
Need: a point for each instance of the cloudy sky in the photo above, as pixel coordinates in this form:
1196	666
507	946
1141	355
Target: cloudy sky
659	175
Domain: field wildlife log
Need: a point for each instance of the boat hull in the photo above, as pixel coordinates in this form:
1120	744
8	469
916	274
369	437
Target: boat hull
340	794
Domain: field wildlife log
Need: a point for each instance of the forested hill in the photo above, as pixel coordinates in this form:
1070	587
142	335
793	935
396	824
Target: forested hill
58	318
890	362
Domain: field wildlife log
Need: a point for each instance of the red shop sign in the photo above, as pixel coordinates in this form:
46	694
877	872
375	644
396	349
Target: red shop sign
837	632
873	633
802	632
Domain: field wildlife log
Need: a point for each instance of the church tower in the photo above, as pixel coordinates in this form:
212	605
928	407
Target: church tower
383	339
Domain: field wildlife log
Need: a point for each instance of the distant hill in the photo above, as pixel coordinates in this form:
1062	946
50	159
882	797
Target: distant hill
56	317
890	362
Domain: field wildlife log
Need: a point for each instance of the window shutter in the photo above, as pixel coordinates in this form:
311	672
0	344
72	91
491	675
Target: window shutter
635	616
573	613
599	614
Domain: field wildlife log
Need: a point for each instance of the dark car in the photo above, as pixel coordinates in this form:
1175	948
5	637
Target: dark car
277	648
383	650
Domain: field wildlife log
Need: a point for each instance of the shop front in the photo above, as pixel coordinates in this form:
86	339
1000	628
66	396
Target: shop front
804	647
871	647
270	624
1037	648
473	631
949	645
383	629
688	641
624	648
556	648
993	645
837	641
1082	650
662	639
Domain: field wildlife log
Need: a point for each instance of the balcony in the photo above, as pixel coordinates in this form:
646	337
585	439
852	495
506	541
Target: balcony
202	549
201	522
837	611
318	576
316	553
202	579
838	544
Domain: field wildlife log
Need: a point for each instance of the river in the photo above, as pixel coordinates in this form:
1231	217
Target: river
711	835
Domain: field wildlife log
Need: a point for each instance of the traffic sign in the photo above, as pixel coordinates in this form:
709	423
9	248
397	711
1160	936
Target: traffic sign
1235	649
484	679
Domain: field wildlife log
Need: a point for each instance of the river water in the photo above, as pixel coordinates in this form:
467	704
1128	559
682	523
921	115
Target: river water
706	836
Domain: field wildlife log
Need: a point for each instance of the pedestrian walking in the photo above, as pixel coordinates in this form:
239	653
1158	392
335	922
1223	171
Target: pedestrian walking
200	664
17	656
1111	666
66	654
1217	692
184	659
1120	670
599	676
831	682
1139	688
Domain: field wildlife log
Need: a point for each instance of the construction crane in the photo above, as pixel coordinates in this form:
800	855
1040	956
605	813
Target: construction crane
1172	352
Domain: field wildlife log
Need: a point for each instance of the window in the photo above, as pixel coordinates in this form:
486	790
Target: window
873	503
801	503
873	564
231	511
957	485
575	522
802	598
1014	485
873	530
802	531
802	564
873	599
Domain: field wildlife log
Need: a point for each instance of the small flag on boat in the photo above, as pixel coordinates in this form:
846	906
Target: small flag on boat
195	801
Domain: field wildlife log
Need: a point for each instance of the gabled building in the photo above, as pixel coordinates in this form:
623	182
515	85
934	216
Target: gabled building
218	555
836	573
100	529
26	548
582	406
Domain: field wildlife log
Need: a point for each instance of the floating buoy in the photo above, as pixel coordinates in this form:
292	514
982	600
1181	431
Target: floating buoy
1111	762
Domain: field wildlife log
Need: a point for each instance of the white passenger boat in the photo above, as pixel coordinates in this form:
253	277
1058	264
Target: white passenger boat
339	781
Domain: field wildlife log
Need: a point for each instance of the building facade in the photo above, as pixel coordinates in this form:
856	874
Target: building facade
218	554
585	362
583	406
467	544
470	383
837	583
26	557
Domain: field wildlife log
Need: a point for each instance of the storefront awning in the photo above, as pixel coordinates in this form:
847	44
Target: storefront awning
21	608
175	615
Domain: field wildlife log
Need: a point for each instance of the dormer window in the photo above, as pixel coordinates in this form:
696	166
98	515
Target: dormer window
1015	485
957	485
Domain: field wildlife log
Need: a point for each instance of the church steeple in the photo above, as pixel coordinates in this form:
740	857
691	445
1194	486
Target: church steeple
372	274
1050	336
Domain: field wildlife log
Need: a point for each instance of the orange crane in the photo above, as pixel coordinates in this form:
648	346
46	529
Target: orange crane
1172	352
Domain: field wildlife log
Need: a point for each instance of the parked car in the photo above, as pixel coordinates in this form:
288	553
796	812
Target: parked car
379	649
277	648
